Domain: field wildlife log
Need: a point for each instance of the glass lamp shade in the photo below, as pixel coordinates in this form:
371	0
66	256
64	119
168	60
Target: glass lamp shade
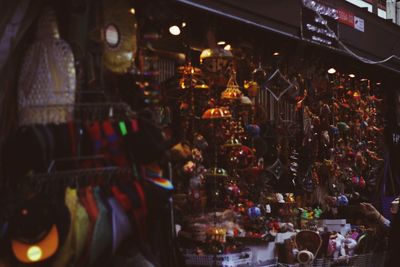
216	113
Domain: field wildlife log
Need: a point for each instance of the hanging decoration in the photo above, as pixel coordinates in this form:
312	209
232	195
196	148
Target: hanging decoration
119	31
277	85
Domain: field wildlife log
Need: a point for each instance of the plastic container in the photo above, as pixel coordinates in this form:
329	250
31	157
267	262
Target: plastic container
223	260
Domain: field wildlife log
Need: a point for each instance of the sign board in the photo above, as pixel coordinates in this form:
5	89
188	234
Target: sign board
349	19
319	23
359	24
346	17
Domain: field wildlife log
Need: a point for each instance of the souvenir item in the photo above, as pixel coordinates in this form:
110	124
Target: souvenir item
47	83
199	141
245	102
119	30
349	244
232	91
252	88
276	169
253	130
241	157
254	212
216	113
342	200
191	77
216	60
232	142
277	85
308	243
259	76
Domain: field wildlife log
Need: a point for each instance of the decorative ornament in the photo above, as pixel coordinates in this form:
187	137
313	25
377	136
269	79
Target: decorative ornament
342	200
356	95
232	91
232	142
216	113
276	169
215	60
189	167
253	130
317	212
47	80
120	43
254	212
245	101
277	84
279	198
189	70
241	157
200	142
252	88
343	126
259	74
186	83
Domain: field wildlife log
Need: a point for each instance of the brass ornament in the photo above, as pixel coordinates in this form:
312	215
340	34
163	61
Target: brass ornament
216	113
119	36
232	91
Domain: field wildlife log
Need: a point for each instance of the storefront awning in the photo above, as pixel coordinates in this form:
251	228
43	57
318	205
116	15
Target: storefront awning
363	36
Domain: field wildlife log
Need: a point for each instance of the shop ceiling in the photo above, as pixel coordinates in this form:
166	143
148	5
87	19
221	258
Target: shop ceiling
374	40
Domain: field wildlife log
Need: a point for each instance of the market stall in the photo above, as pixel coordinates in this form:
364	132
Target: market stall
183	133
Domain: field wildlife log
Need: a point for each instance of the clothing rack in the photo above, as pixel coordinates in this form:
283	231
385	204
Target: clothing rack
84	111
101	171
106	174
119	106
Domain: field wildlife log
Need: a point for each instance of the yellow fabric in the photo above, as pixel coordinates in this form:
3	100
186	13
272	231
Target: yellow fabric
66	253
81	229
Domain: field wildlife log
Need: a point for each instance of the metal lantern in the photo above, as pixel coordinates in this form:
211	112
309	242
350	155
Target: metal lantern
232	91
216	113
216	60
232	142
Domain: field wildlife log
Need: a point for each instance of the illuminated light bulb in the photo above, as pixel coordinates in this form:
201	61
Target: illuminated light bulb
183	24
331	71
132	11
34	253
352	75
275	54
228	47
174	30
221	43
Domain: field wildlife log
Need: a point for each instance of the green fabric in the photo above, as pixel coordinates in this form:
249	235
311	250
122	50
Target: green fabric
102	234
81	228
123	129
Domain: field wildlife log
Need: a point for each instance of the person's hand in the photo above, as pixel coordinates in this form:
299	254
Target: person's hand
369	210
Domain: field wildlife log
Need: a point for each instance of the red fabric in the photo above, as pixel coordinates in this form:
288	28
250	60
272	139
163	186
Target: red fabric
134	125
122	199
140	214
115	152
